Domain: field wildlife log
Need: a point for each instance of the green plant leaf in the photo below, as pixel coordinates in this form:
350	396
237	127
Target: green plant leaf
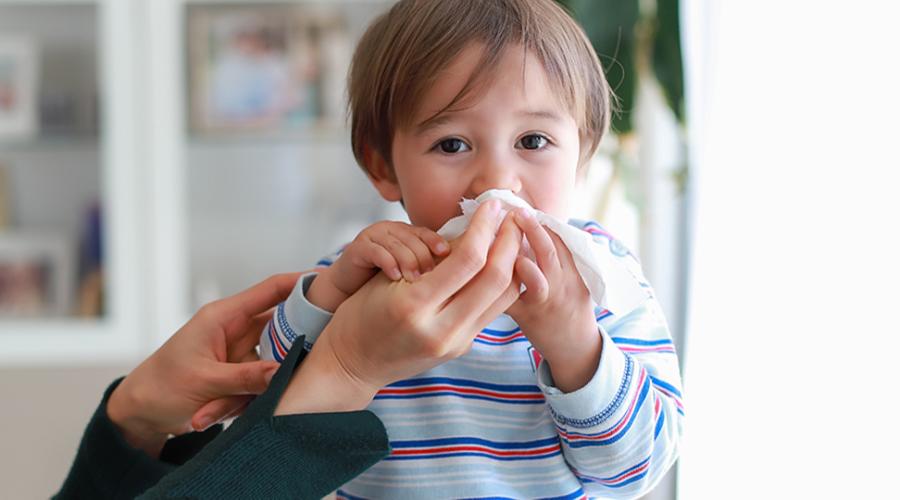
667	61
610	25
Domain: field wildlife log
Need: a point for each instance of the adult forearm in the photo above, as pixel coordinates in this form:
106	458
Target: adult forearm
107	465
124	410
321	385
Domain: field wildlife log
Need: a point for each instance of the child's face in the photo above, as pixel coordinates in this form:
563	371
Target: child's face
513	134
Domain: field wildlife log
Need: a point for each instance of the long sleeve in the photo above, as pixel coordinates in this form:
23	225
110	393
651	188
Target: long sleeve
295	317
620	432
291	456
106	466
258	456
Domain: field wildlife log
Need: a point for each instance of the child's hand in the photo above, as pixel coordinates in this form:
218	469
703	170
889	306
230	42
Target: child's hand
398	249
556	312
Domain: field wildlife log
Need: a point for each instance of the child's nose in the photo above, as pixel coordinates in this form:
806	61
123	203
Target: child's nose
495	175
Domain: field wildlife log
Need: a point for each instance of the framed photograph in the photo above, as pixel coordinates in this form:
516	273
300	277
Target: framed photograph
36	275
18	87
265	68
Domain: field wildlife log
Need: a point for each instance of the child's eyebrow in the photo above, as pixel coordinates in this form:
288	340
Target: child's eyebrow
541	113
443	118
433	122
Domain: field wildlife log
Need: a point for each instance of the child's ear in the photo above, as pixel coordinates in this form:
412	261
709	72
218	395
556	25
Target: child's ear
381	175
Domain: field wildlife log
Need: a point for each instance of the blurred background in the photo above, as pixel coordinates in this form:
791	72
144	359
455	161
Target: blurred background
159	154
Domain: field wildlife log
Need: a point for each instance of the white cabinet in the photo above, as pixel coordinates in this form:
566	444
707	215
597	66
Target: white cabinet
121	209
69	193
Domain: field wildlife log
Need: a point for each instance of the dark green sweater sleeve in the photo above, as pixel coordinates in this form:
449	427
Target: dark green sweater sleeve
106	466
262	456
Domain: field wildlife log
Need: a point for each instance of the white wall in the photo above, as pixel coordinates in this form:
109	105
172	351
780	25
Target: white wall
793	328
44	412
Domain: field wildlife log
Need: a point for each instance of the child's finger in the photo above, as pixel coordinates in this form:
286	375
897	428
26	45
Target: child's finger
381	258
418	247
538	238
537	289
405	258
564	255
437	244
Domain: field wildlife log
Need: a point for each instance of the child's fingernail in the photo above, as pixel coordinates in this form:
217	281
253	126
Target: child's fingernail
395	274
416	274
524	215
442	247
494	206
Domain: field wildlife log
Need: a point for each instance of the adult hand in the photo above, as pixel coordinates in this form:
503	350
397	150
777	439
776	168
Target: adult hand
389	331
207	371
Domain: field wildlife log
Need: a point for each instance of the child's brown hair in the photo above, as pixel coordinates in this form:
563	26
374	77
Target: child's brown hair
400	55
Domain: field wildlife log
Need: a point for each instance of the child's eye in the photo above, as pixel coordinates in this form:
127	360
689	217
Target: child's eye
533	142
453	145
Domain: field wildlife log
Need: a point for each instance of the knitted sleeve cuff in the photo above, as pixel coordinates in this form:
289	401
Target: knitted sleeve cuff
300	316
598	399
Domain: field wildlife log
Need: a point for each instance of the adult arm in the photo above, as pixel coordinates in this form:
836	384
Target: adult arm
342	374
299	429
108	466
326	449
249	460
207	368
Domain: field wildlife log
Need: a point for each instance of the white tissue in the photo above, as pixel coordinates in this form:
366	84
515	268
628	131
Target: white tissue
612	284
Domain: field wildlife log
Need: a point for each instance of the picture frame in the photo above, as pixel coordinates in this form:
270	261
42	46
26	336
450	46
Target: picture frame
265	68
18	87
36	275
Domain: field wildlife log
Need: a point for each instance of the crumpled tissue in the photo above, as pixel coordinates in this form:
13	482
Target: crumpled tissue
612	284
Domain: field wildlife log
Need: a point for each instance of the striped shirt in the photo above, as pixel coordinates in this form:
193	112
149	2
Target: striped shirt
491	424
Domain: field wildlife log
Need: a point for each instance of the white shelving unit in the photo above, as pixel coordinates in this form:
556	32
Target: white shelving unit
176	233
217	199
117	334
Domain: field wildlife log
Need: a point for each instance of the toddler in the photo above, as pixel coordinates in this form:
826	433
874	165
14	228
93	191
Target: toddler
557	398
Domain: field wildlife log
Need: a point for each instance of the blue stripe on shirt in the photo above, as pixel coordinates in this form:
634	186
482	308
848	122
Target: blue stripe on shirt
417	382
666	386
629	341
